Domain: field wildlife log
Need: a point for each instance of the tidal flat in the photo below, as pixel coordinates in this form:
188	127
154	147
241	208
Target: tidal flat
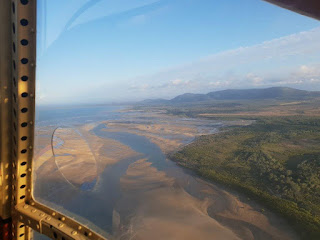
122	169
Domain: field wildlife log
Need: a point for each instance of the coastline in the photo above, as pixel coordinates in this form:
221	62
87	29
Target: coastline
305	222
216	206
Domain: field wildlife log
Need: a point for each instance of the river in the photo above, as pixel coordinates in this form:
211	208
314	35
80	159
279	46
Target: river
106	204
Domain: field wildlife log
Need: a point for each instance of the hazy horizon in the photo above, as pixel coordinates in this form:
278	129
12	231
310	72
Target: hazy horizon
108	51
128	102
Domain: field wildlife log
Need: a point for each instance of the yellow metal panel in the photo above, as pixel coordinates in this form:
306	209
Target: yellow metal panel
23	18
71	227
26	212
5	109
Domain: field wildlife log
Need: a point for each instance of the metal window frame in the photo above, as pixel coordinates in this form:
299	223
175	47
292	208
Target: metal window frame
17	72
310	8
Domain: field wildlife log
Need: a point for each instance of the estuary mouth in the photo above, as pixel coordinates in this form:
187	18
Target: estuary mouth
140	192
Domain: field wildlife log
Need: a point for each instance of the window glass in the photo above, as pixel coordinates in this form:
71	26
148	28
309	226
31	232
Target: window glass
179	119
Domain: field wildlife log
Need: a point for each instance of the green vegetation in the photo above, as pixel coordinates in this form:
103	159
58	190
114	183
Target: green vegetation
239	109
275	161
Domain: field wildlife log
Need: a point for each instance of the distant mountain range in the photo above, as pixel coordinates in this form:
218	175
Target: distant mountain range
281	93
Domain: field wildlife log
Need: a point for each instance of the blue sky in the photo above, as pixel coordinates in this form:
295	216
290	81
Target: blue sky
94	51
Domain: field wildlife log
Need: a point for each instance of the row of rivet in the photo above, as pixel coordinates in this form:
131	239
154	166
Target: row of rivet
21	231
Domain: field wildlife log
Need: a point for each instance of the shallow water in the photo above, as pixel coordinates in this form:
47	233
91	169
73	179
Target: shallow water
98	201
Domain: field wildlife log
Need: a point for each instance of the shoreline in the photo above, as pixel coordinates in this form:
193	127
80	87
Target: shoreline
241	218
305	223
233	191
218	188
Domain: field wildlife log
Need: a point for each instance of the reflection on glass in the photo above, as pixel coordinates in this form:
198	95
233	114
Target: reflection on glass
39	236
137	136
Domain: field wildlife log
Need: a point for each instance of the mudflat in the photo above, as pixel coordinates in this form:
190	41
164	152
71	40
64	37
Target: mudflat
153	202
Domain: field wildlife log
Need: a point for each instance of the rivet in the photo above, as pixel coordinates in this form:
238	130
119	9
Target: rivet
90	234
74	232
60	225
32	30
7	165
33	210
29	190
32	64
25	206
63	218
21	217
29	169
30	147
48	218
53	214
31	122
79	228
29	222
38	227
41	214
32	203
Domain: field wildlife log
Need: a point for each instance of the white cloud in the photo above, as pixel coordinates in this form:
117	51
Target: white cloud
293	60
176	82
254	79
288	61
314	80
308	71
